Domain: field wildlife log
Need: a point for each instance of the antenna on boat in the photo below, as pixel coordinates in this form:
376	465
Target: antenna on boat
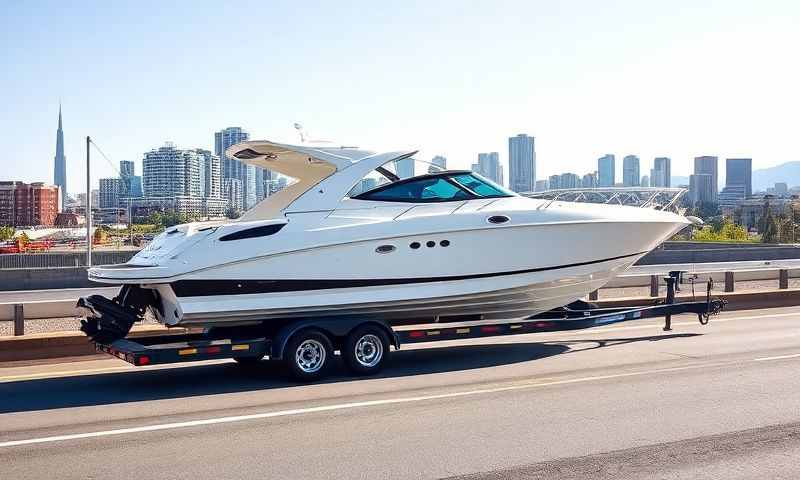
300	131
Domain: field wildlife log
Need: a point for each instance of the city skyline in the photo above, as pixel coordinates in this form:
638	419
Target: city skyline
661	82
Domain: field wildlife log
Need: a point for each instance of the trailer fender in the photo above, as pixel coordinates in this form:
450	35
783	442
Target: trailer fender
335	327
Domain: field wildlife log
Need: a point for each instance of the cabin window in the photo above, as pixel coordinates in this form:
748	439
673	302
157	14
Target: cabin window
437	187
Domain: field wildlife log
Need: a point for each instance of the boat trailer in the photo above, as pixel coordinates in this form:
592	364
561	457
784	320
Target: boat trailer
247	345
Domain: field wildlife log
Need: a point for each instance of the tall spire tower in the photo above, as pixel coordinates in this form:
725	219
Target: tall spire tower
60	170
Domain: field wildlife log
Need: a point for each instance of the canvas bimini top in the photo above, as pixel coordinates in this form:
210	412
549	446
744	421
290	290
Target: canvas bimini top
323	174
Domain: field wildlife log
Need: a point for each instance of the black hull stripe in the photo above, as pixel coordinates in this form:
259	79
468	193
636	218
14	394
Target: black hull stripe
205	288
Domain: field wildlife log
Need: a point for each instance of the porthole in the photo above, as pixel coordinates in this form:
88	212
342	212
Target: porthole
415	245
445	243
497	219
431	244
385	249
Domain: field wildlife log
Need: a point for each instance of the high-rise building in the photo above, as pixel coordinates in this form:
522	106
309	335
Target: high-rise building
60	169
554	182
210	174
28	204
781	189
521	163
438	161
489	166
541	185
660	174
708	165
111	191
126	168
569	180
589	180
131	184
739	171
630	171
233	168
169	172
606	171
701	188
232	190
645	182
404	168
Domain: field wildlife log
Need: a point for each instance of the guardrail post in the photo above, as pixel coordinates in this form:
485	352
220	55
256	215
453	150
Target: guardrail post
783	279
594	295
19	319
728	281
653	285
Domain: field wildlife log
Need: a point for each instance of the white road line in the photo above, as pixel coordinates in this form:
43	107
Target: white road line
780	357
370	403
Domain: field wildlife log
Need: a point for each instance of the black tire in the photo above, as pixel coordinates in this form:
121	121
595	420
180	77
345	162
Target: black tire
315	359
249	361
366	349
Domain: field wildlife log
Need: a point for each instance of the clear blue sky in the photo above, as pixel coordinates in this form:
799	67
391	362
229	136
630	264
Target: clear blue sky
677	78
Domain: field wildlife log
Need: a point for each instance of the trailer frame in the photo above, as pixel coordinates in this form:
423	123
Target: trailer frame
252	343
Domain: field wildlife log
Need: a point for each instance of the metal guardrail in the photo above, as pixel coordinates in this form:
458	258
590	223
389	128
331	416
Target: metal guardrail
16	261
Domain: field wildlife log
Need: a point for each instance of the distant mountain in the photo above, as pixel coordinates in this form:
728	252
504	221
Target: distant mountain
788	172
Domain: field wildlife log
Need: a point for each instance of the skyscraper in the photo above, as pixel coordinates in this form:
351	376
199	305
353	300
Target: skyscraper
489	166
708	165
60	169
606	171
170	172
233	168
701	188
210	174
630	171
521	163
661	174
739	171
440	162
404	168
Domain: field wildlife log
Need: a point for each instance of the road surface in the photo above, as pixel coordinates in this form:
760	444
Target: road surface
624	401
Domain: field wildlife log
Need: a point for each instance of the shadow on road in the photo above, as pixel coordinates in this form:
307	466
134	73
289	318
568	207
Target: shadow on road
167	383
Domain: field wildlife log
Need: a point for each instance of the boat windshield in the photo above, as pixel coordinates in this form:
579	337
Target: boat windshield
446	186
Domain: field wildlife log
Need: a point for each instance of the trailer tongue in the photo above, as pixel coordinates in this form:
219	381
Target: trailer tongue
307	345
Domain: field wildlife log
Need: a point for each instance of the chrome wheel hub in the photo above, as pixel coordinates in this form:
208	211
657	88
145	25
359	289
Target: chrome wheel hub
369	350
310	356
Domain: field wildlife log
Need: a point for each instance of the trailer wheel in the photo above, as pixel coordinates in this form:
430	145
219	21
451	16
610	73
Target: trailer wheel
308	355
365	350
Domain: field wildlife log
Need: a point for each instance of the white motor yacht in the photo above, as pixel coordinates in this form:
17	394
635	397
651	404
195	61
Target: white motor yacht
351	238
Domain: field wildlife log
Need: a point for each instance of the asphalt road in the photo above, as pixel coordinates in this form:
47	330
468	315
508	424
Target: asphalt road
624	401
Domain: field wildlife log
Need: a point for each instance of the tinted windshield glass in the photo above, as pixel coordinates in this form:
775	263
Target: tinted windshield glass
480	186
443	187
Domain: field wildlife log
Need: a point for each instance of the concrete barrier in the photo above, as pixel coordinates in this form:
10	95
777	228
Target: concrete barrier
44	278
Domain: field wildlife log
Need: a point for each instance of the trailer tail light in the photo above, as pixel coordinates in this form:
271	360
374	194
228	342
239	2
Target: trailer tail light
143	360
543	324
213	350
490	329
416	334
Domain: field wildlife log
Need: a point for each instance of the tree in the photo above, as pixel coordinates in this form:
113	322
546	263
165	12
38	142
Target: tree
6	233
725	232
233	213
22	241
769	229
100	235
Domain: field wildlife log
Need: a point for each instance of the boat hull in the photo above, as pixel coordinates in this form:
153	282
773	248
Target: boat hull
500	297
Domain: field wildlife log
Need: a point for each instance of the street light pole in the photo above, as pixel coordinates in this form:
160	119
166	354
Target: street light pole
88	208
